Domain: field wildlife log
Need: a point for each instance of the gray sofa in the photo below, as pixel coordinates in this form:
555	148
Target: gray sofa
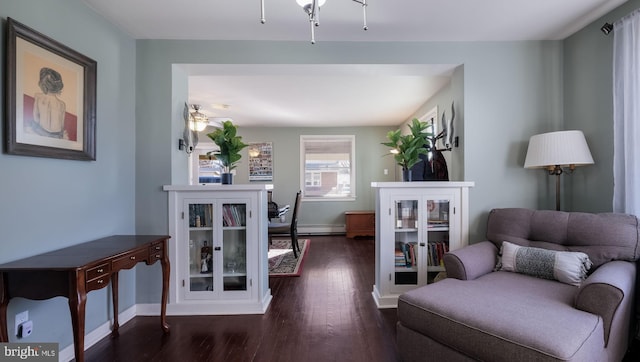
482	313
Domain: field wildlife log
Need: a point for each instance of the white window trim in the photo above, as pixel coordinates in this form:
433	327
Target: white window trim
352	173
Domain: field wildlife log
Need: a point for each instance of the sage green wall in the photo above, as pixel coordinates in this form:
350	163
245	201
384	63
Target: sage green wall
512	90
588	99
48	204
452	92
457	94
370	164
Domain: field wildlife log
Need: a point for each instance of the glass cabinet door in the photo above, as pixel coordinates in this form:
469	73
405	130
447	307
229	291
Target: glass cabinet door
201	262
234	247
217	249
438	234
407	248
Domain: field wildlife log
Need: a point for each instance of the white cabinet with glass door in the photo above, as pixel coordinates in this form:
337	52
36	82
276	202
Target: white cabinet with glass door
219	265
416	223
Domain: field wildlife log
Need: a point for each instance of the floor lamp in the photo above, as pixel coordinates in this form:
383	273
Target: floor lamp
558	152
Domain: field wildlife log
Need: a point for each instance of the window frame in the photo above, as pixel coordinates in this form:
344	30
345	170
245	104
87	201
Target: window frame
352	167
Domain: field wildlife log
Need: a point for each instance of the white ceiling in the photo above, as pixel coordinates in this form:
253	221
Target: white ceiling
315	95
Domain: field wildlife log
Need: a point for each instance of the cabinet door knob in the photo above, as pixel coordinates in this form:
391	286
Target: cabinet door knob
132	257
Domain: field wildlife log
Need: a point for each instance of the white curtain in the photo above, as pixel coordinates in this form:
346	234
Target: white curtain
626	114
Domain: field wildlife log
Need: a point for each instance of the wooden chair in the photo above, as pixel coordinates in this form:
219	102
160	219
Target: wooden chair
290	228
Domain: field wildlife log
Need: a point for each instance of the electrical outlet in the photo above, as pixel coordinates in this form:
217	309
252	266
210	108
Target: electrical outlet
21	318
25	329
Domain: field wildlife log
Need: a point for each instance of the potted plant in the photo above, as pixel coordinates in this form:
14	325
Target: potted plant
406	149
230	146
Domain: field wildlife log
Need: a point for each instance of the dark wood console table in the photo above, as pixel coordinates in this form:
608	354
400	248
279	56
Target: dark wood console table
74	271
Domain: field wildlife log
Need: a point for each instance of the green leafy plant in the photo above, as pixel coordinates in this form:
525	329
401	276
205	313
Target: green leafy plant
230	145
406	149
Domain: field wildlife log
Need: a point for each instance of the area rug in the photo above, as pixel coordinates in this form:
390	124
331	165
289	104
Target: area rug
281	260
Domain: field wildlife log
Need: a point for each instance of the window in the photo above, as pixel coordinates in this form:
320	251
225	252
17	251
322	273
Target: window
328	167
312	179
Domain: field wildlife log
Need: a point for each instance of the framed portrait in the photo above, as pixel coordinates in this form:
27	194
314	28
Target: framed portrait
260	161
50	97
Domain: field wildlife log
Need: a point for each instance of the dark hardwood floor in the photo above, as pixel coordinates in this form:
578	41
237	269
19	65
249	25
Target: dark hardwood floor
327	314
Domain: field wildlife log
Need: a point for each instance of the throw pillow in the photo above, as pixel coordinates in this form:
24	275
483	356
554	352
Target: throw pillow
564	266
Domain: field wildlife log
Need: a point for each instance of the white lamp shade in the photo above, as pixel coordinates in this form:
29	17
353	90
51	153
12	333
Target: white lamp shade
562	148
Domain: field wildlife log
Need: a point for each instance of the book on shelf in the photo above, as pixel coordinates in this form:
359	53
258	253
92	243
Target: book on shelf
405	254
233	215
432	224
436	253
200	215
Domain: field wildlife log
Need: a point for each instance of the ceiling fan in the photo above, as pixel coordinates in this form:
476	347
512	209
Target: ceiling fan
217	121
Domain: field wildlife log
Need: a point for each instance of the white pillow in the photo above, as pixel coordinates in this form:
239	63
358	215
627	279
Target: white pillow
564	266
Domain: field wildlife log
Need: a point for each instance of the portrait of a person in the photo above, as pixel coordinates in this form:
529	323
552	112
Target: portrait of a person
48	109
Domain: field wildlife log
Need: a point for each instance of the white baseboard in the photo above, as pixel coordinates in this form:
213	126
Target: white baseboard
219	307
153	309
383	302
93	337
321	229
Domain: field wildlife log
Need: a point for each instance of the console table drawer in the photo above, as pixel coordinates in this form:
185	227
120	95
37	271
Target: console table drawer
98	271
130	260
98	283
156	252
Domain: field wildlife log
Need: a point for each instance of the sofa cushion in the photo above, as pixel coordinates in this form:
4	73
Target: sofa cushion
564	266
503	314
604	237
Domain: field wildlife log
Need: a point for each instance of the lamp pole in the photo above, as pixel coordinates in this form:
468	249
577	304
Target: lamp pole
553	150
557	171
558	189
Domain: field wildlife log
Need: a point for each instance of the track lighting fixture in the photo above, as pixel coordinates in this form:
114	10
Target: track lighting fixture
312	9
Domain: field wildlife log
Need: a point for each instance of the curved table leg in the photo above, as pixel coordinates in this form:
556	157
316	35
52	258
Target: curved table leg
77	304
4	302
114	298
166	269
